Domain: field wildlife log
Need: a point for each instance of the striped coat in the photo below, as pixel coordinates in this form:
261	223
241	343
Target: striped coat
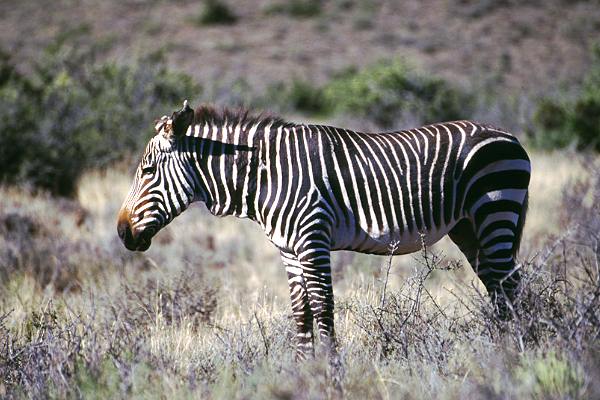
314	189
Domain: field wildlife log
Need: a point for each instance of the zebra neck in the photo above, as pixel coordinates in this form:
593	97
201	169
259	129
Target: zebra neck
226	163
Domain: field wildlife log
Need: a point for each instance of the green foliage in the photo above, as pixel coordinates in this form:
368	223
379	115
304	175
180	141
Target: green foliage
383	93
214	12
101	383
300	95
71	114
297	8
560	123
551	376
388	90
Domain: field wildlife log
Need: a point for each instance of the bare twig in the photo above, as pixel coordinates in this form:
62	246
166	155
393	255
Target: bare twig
388	265
262	334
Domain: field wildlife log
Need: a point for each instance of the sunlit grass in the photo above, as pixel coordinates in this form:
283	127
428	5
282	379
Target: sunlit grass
123	323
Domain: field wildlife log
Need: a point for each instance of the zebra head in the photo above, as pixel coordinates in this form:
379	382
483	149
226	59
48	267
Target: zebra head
161	189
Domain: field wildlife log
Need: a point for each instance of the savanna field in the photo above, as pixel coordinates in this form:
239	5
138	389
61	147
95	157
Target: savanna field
205	312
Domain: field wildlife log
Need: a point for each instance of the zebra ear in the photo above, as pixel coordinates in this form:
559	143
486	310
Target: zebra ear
182	119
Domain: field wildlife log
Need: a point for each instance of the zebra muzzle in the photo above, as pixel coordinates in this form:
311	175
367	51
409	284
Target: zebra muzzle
135	240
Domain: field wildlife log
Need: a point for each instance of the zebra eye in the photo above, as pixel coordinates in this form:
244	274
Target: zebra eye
149	170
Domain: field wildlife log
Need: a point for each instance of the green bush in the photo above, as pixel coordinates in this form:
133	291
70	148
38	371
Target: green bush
382	93
215	12
296	8
561	123
72	113
300	96
550	376
387	91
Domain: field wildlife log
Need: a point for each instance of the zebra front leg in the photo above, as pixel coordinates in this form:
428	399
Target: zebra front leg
301	310
316	268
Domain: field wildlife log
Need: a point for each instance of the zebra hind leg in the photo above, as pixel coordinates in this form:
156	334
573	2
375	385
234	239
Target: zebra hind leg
301	310
463	235
491	274
498	227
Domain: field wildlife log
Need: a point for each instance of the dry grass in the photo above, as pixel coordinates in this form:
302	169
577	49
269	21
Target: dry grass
551	172
205	312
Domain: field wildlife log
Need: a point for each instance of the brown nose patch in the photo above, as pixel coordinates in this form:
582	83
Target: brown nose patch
123	216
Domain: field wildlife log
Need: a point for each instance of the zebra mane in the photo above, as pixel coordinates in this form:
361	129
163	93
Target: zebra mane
208	115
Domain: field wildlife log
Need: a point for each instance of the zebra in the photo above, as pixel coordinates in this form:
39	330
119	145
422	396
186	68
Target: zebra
314	189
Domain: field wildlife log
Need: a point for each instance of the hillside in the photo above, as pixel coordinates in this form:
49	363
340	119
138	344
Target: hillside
518	47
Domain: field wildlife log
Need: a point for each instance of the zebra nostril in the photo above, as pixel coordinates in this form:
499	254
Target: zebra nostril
124	231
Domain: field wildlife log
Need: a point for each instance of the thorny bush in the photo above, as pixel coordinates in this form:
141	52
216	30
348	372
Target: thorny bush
557	306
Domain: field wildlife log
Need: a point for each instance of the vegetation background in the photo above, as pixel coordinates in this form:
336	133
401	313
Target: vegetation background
205	312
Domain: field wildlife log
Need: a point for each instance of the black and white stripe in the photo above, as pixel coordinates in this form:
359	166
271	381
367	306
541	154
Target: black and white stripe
314	189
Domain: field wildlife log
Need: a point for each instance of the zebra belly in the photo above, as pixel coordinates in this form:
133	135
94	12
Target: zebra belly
382	243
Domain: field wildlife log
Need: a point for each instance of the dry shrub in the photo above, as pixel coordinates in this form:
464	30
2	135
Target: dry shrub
62	352
28	246
557	310
53	249
408	324
47	353
158	329
559	300
187	296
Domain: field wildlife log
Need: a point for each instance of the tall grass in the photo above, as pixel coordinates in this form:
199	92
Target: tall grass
205	312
